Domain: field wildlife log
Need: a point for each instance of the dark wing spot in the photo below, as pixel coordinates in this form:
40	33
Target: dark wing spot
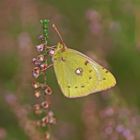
76	87
90	71
86	62
82	86
104	78
68	86
90	77
106	71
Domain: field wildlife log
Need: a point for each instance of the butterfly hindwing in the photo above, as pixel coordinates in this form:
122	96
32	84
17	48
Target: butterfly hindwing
78	75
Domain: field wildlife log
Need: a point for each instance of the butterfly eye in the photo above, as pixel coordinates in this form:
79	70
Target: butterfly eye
60	47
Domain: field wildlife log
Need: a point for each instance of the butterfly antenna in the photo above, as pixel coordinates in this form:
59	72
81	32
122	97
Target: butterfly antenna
58	33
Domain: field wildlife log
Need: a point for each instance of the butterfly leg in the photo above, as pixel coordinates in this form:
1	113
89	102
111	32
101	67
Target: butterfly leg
44	72
49	66
50	47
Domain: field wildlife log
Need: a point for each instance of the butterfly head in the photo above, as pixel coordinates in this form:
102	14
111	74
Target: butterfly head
59	48
59	51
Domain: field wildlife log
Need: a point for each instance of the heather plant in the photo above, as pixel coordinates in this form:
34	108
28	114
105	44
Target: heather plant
42	91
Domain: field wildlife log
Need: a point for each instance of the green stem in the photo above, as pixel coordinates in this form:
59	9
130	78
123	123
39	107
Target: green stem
45	23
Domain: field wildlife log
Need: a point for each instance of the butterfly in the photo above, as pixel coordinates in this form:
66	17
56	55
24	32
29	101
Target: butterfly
77	74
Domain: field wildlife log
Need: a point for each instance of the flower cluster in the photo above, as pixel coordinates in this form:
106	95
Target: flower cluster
113	122
42	91
120	123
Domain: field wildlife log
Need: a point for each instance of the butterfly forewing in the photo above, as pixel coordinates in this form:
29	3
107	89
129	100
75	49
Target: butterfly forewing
78	75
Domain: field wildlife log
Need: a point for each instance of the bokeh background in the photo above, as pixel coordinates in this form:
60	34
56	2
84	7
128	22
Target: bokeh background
106	30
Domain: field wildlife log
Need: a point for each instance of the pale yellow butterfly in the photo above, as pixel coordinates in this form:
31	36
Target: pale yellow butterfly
77	74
